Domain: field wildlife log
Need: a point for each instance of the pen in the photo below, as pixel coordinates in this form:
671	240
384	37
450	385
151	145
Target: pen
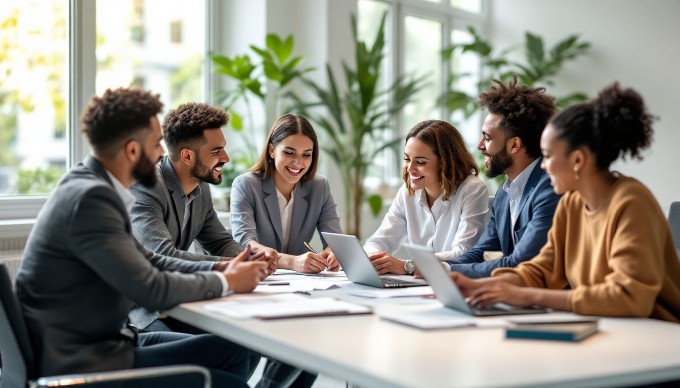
309	247
311	250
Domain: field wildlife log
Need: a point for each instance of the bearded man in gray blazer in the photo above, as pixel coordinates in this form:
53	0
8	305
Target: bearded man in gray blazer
177	210
83	270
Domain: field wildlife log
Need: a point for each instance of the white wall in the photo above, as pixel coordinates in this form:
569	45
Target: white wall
633	42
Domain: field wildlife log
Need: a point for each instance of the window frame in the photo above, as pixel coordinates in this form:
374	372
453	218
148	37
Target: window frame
451	18
82	77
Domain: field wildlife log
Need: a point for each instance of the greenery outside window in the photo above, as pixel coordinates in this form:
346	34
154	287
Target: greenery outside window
444	22
55	54
33	95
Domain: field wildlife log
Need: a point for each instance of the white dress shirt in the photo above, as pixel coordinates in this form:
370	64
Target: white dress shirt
449	228
286	211
515	189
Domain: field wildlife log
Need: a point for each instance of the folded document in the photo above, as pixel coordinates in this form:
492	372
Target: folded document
285	306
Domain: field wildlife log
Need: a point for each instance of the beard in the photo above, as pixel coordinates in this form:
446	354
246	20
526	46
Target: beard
498	164
205	174
144	171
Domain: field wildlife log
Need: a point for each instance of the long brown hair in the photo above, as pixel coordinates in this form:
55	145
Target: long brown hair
287	125
455	161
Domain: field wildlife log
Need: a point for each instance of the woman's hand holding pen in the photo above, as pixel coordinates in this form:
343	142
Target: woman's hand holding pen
309	262
333	264
328	261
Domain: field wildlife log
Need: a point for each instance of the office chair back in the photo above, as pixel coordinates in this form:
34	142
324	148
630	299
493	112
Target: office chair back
15	346
18	367
674	221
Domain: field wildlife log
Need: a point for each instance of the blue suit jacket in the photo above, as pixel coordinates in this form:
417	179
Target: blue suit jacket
255	212
536	210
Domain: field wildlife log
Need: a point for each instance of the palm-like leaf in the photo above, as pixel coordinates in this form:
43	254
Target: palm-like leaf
355	118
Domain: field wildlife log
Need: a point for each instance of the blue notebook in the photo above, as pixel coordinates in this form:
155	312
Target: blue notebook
571	331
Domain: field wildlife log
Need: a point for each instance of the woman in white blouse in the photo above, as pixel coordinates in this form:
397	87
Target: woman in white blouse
442	203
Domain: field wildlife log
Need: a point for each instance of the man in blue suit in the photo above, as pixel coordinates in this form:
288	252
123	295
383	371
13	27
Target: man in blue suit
523	208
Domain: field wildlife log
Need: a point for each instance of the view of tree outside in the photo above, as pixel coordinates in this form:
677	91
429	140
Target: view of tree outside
158	45
155	44
33	95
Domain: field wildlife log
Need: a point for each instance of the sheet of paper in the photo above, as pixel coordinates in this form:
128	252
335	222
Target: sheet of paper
284	305
436	318
326	276
392	292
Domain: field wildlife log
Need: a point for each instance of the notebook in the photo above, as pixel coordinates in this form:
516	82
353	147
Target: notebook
357	265
573	331
446	290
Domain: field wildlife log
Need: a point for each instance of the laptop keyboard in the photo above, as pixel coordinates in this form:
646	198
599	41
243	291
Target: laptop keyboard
490	308
392	282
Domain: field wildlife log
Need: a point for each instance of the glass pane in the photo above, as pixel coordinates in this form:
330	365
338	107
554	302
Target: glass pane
33	95
384	167
154	44
474	6
422	58
466	67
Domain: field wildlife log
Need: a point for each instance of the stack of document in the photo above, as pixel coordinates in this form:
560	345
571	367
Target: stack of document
284	306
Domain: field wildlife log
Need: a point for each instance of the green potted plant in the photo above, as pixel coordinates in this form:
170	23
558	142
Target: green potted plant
540	66
354	118
265	82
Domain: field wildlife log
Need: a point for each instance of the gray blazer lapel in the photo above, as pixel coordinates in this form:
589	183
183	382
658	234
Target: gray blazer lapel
299	210
171	187
271	201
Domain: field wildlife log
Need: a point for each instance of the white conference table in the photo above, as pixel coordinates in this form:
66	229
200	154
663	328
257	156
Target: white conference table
368	351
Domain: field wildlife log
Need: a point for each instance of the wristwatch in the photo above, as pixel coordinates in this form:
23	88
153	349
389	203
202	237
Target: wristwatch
409	267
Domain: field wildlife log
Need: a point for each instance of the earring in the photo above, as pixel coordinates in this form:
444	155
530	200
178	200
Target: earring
576	174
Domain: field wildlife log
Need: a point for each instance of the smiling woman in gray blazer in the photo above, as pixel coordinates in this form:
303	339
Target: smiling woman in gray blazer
281	201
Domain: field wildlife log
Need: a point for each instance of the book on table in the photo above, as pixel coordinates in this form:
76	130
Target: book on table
559	331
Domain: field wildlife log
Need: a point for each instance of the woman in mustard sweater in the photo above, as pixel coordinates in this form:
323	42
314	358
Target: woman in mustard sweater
610	241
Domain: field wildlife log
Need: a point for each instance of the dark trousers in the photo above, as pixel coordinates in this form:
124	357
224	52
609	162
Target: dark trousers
276	374
170	324
228	363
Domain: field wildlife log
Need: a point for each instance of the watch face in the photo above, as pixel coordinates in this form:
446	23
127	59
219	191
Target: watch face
409	266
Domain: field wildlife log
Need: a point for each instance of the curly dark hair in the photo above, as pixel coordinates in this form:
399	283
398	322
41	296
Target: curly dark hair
456	162
117	116
613	124
287	125
524	111
183	127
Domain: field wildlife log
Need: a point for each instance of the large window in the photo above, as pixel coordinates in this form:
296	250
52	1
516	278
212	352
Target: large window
55	54
419	31
33	95
145	43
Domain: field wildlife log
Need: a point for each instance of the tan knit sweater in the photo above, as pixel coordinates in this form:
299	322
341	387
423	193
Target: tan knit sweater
619	260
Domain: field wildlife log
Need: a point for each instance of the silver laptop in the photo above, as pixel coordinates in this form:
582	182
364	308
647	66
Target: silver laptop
358	267
446	290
